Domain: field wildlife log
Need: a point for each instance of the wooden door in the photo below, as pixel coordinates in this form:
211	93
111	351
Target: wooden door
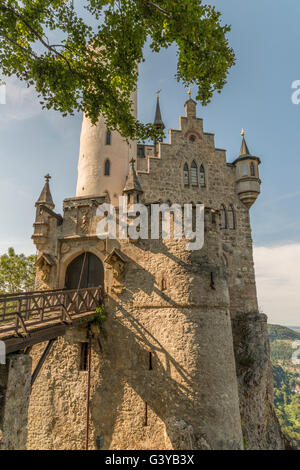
85	271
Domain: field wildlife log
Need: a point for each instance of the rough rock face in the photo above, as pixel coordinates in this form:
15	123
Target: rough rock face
261	429
182	436
14	401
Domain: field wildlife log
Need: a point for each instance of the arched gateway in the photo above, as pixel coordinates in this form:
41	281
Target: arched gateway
84	271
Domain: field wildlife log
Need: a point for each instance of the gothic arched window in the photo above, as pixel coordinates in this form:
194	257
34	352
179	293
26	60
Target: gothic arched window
194	174
108	138
231	217
107	168
186	175
202	177
252	169
223	215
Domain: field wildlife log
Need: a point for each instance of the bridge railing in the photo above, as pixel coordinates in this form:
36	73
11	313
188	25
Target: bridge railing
32	308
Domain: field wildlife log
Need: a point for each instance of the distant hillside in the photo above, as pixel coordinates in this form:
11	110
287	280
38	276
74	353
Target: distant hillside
286	380
282	332
281	341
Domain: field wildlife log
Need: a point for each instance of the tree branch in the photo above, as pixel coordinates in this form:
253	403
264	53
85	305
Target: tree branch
27	51
37	35
161	10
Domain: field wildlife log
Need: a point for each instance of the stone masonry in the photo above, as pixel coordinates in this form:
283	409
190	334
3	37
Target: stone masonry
185	361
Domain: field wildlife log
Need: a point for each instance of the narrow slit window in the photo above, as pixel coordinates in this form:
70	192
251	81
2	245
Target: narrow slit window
107	168
194	174
223	215
146	414
252	169
150	361
212	281
84	354
231	217
186	175
202	177
108	138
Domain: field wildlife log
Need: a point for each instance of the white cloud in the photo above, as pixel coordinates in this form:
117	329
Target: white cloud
278	282
19	244
21	102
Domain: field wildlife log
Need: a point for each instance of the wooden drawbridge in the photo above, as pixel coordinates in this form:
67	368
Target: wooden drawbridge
34	317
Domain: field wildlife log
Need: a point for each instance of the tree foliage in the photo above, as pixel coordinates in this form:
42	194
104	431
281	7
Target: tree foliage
94	69
287	402
286	379
17	272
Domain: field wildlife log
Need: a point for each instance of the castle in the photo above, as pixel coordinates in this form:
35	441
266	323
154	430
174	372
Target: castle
185	362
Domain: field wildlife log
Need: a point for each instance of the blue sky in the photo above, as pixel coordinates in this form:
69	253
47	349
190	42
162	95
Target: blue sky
265	36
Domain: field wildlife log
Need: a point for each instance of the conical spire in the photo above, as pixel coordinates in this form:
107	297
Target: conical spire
158	122
45	196
132	181
244	147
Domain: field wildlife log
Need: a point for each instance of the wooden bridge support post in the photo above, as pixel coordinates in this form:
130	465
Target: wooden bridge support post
15	377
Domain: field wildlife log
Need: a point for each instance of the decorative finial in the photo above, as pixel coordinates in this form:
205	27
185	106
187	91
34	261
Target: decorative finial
158	93
190	90
47	177
243	133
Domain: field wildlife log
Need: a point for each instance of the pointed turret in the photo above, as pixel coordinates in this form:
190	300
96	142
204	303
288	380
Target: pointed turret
44	215
247	174
45	196
133	187
158	122
244	148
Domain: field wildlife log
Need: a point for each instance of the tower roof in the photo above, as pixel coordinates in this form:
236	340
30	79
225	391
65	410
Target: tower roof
245	152
45	196
158	122
244	147
132	181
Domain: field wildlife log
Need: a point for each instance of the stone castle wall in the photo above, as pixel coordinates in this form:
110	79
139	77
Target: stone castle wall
184	323
174	304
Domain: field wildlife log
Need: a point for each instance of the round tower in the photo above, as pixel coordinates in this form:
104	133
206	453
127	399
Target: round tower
247	175
103	159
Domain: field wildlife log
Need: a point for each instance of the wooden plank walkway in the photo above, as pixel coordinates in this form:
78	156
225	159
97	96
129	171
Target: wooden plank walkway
33	317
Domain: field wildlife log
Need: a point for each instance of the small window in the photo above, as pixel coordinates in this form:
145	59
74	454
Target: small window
108	138
252	169
202	177
150	361
186	175
84	355
107	168
244	169
223	215
194	174
231	217
141	151
192	138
